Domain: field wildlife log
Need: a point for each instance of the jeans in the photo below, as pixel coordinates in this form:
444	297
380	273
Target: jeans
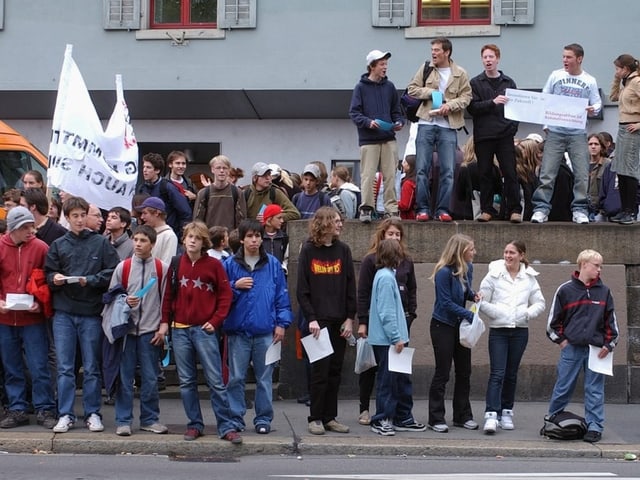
555	146
326	377
68	331
447	349
506	347
432	138
383	157
242	350
191	345
573	359
35	342
504	151
394	391
138	350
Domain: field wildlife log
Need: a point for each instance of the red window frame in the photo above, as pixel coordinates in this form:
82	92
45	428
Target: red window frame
185	18
455	18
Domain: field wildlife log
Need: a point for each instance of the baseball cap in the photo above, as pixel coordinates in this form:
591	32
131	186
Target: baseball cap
17	217
312	169
536	137
259	169
271	211
153	202
275	169
374	55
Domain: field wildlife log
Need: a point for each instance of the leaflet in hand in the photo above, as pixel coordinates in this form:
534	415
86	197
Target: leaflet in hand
18	301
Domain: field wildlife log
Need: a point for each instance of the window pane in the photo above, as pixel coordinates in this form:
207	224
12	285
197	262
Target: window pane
166	11
436	9
475	9
204	11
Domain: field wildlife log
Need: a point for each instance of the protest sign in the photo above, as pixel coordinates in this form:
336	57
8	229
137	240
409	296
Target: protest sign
546	109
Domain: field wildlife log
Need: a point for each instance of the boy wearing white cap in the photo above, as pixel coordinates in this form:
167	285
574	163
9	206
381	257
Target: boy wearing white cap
375	109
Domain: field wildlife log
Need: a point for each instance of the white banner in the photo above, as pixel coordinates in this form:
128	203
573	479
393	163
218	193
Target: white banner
546	109
84	160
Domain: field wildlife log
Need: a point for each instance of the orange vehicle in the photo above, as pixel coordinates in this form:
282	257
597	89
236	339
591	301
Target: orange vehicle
17	156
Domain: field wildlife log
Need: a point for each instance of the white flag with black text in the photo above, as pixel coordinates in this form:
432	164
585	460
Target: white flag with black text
85	160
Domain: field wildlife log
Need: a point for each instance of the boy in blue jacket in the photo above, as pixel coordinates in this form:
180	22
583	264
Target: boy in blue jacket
259	315
387	326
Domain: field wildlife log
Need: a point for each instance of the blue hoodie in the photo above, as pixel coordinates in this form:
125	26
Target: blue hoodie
371	101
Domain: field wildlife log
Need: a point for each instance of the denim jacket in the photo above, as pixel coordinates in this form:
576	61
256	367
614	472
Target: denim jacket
451	297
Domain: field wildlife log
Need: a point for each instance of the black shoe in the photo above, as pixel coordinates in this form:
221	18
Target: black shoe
14	418
616	218
627	219
47	418
592	436
304	399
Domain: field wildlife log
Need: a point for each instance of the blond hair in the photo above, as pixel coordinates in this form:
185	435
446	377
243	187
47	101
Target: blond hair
453	256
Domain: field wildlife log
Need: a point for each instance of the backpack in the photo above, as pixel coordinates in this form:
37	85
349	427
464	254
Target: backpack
409	104
564	426
336	201
126	268
272	194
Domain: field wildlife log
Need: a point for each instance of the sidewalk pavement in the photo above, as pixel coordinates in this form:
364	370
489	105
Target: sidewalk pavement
289	435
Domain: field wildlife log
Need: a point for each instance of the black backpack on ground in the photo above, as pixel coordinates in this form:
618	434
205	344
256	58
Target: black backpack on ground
564	426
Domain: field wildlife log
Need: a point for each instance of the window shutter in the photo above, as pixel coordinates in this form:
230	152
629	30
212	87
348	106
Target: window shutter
236	14
513	12
122	14
391	13
1	14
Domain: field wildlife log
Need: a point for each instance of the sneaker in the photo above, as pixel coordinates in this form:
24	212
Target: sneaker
515	218
592	436
627	219
94	423
390	215
539	217
490	423
444	217
365	214
263	428
506	420
423	217
14	418
469	424
233	437
439	427
580	217
382	427
46	418
616	218
65	422
364	418
484	217
316	428
155	427
410	426
123	431
191	434
335	426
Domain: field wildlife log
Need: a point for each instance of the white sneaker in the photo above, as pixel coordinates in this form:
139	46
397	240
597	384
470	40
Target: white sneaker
580	217
539	217
94	423
506	421
490	423
65	422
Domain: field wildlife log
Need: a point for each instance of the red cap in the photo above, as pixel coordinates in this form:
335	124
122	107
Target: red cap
271	211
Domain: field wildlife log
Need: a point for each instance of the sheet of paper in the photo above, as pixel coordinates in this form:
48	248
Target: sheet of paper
273	353
546	109
317	348
400	362
71	279
18	301
600	365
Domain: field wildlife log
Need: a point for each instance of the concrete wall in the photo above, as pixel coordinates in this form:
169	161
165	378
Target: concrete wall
548	244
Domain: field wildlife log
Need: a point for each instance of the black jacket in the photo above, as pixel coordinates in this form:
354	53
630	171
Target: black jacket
488	118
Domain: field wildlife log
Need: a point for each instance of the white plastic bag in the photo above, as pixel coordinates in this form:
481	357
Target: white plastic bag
365	358
470	333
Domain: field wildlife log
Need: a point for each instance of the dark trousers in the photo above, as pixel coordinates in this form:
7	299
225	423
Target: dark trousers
326	376
505	152
366	380
394	391
506	347
447	349
628	187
